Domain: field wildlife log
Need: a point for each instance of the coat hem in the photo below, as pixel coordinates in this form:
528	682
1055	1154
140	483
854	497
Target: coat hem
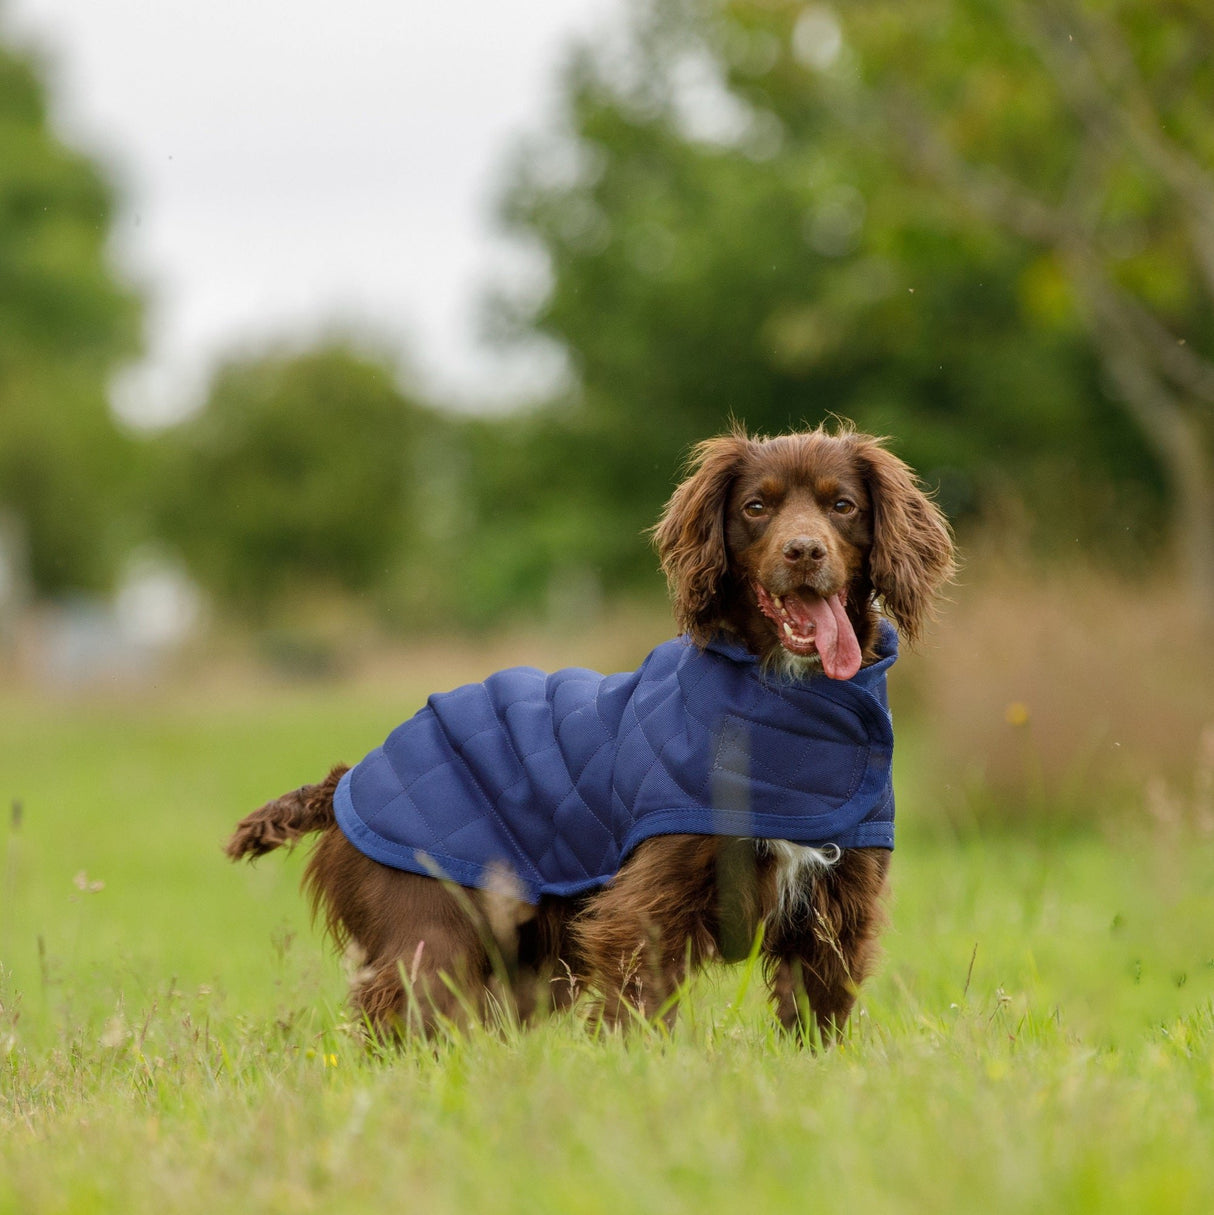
737	824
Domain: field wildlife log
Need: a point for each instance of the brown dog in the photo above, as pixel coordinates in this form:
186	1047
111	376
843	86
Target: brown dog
782	548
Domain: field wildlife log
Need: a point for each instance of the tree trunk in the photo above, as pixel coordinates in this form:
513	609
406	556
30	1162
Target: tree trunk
1194	523
1174	428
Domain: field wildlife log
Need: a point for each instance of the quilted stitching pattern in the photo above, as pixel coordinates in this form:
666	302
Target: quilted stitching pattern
559	776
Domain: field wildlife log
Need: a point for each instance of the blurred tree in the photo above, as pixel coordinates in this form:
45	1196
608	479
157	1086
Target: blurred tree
293	478
555	518
65	325
741	216
1085	129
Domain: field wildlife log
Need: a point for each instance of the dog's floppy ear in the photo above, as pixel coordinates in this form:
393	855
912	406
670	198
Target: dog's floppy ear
912	553
690	536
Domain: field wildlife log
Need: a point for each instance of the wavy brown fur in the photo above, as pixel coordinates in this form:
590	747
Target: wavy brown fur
430	953
912	550
690	536
912	553
286	820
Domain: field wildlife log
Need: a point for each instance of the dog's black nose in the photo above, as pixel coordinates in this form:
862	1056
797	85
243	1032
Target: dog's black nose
803	548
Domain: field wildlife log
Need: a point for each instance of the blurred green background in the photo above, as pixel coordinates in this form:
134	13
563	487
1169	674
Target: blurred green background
985	230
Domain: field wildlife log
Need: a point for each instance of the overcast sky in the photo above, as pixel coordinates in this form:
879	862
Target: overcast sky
286	164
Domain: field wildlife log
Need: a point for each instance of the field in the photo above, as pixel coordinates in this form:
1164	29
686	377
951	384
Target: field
1040	1036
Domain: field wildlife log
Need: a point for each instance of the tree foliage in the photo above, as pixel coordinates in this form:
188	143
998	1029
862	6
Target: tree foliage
1082	129
957	223
293	478
983	228
66	323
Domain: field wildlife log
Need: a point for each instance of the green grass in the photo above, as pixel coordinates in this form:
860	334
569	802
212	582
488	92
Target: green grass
1039	1038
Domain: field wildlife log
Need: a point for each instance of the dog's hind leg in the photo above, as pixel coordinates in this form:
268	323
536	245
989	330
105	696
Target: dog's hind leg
417	945
636	937
434	981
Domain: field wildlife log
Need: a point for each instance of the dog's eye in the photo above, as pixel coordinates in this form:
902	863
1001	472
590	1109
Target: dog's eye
754	508
844	506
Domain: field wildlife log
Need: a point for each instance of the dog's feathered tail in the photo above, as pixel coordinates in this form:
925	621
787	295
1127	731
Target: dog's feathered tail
285	820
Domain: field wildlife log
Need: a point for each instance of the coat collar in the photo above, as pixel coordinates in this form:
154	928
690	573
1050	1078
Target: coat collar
887	654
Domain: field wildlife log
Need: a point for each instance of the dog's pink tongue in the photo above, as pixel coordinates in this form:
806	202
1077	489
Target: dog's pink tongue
835	638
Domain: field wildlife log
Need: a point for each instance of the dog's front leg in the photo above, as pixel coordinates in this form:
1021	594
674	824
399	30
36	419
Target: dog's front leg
817	962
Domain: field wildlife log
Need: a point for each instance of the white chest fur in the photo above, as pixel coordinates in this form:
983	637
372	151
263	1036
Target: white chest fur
797	866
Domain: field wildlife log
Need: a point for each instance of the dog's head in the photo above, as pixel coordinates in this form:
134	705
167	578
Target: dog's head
788	542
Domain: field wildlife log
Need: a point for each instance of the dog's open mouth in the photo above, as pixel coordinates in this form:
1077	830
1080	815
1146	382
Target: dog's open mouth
808	624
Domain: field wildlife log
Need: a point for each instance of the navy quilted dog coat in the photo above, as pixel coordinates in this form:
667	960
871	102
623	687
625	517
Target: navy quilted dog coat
560	776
